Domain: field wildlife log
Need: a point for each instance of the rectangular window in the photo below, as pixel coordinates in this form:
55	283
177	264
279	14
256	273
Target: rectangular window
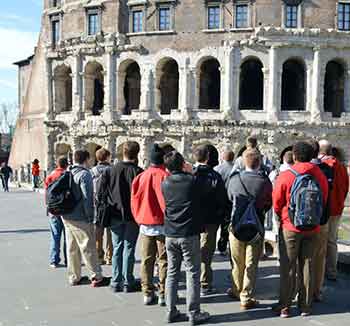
137	21
56	3
164	19
291	16
241	16
214	17
55	32
344	16
93	23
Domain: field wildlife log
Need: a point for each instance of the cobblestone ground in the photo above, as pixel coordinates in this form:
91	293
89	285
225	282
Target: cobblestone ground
33	294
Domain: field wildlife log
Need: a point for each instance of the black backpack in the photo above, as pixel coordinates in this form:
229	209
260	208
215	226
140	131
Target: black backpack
329	174
60	198
101	195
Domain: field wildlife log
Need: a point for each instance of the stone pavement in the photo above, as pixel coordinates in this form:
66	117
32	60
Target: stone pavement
31	294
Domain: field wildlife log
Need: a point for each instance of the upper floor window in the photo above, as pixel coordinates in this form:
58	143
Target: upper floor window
344	16
214	17
56	3
164	19
93	23
291	16
55	25
242	16
137	21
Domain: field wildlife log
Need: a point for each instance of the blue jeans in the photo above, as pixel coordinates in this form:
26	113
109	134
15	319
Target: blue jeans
124	238
35	181
57	229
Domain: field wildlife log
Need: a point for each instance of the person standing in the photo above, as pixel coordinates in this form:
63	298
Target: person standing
35	174
182	230
296	246
56	223
213	209
79	225
245	187
147	206
337	199
5	173
103	157
125	231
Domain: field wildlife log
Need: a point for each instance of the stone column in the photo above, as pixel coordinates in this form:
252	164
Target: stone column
227	98
109	87
50	110
274	86
77	85
236	71
185	91
309	92
266	73
317	99
147	101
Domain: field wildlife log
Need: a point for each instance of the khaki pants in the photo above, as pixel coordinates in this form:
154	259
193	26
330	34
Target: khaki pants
81	245
208	246
245	258
296	249
150	247
319	259
332	247
101	254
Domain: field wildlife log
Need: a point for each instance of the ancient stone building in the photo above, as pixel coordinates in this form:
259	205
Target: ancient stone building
185	72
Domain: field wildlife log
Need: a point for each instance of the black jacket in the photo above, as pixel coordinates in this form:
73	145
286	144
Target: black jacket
118	179
212	195
181	218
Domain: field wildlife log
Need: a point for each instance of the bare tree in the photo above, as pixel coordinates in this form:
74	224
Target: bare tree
8	116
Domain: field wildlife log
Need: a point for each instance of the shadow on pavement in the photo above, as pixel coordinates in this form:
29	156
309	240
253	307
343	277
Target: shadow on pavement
24	231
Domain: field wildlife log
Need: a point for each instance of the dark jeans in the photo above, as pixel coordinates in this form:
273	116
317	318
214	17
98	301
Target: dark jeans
124	238
187	250
35	181
5	183
57	230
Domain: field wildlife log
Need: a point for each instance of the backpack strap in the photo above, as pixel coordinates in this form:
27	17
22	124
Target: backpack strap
293	171
245	188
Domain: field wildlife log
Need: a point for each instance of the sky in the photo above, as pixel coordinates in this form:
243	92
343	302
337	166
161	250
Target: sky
19	30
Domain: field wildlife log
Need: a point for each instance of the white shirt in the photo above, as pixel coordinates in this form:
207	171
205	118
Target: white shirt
152	230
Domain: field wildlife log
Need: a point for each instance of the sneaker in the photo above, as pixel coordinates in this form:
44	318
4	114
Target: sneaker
108	262
250	304
104	281
81	281
173	316
231	294
207	291
199	318
285	313
161	300
305	313
149	299
116	288
136	287
54	266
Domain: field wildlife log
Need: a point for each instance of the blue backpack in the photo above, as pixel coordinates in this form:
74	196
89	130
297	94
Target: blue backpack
306	204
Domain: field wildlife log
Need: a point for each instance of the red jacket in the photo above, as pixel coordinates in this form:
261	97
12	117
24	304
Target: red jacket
54	175
340	186
35	169
147	201
282	189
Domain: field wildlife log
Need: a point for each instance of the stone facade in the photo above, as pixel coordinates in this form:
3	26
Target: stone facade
188	84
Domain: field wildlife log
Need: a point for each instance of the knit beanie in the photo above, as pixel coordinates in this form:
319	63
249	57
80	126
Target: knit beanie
157	155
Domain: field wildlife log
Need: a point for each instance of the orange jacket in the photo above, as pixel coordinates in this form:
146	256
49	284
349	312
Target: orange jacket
35	169
340	186
147	201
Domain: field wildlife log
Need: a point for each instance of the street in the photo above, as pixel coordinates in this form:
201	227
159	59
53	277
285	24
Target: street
32	294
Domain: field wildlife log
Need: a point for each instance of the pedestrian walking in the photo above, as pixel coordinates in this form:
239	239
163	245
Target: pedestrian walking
5	174
35	173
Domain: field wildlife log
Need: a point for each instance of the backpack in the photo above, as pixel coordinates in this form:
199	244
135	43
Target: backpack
60	198
329	174
306	203
249	228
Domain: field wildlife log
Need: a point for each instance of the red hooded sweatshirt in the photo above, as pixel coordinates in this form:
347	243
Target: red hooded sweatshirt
340	186
54	175
35	169
147	201
282	189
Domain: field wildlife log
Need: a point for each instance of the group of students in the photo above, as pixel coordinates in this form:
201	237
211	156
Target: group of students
174	209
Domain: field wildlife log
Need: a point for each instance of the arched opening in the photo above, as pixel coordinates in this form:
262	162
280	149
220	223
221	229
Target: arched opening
92	148
251	85
64	150
168	85
293	86
132	88
334	86
63	89
209	84
94	88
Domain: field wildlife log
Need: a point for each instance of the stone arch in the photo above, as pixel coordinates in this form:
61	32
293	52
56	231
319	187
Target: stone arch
92	148
94	88
209	83
167	85
334	88
63	88
293	85
251	85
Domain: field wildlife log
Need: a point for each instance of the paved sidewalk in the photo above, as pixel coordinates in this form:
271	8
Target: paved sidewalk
31	294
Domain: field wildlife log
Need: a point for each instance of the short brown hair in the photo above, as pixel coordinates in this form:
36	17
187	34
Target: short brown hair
62	162
252	158
81	156
288	157
201	153
103	155
251	142
131	150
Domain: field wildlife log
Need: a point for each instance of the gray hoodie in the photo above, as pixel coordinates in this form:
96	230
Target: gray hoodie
83	190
